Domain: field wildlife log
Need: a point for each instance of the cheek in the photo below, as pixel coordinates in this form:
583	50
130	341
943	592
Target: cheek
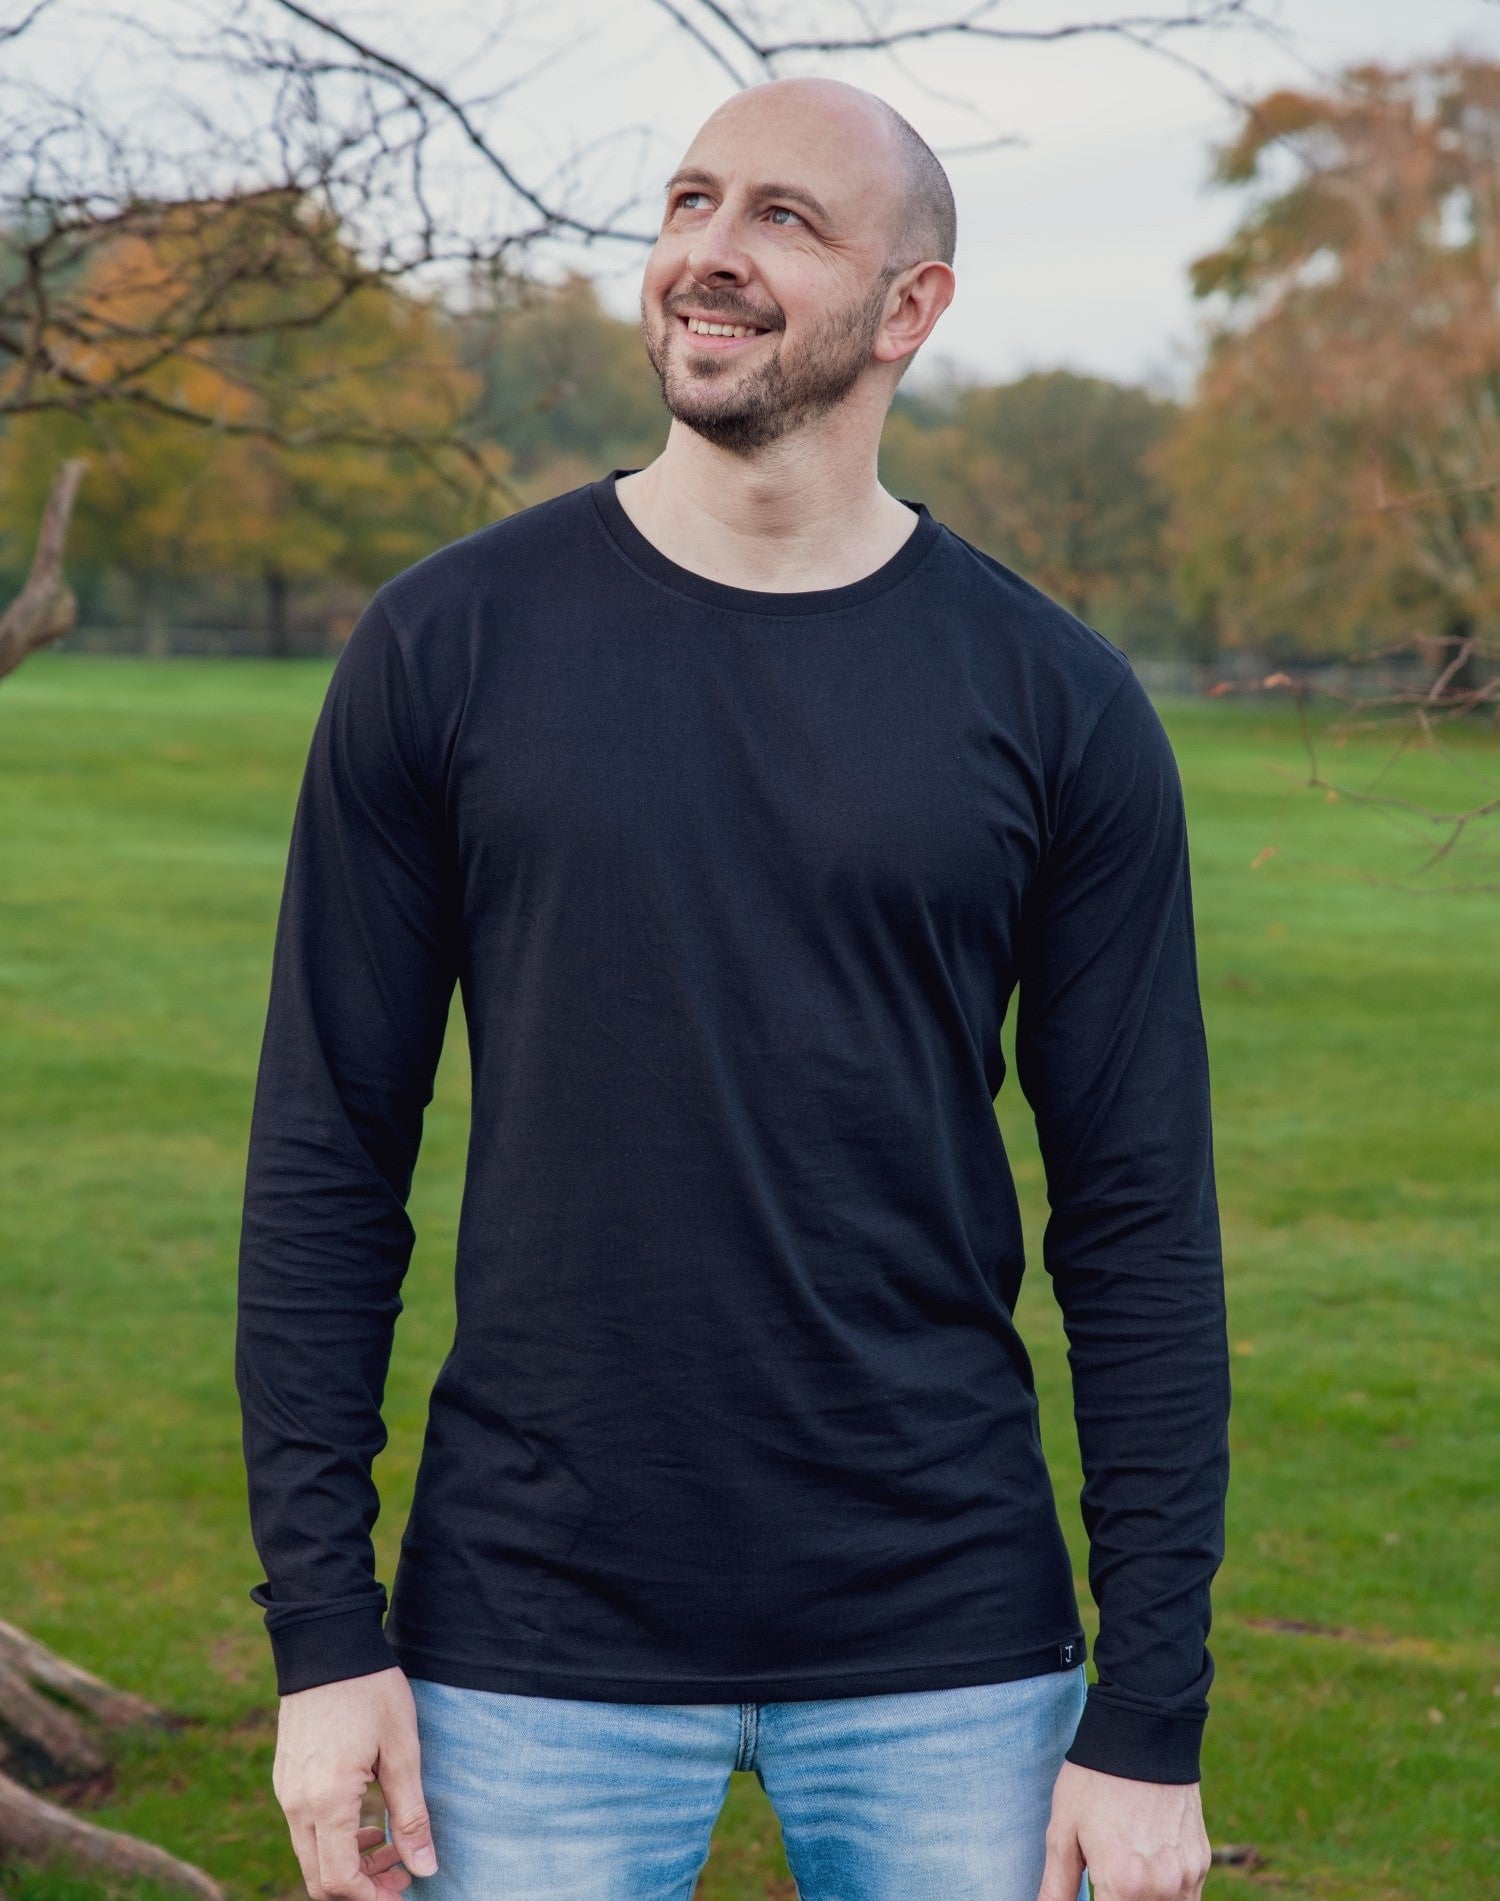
661	271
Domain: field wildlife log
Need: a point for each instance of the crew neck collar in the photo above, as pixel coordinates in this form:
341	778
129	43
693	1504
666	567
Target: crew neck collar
646	556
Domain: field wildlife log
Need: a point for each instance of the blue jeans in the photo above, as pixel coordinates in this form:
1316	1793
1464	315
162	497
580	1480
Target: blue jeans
941	1793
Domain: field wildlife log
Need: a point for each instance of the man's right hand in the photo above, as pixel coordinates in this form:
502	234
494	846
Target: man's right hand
332	1741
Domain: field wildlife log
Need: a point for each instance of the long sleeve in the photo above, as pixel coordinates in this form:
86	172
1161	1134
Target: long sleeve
1112	1057
363	970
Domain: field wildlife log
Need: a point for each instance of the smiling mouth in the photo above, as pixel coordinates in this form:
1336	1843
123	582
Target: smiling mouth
721	342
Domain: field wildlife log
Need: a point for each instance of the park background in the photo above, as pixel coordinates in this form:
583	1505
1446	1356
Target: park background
1265	465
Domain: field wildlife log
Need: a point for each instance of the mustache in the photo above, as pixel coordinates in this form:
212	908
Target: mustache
726	316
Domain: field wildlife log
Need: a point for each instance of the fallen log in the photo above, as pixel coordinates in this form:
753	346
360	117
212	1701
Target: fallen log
35	1830
116	1709
44	1741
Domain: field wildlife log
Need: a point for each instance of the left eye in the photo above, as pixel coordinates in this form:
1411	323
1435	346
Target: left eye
782	208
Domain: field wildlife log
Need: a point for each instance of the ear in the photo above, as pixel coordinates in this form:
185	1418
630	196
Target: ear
918	297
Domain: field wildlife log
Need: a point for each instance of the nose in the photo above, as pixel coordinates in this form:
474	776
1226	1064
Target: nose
717	254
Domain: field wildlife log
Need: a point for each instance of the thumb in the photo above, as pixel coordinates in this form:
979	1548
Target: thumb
1063	1875
411	1830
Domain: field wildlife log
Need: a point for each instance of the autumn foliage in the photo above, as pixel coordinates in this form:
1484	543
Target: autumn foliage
252	402
1333	478
256	401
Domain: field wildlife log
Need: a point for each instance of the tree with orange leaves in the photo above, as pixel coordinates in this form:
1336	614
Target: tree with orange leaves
1335	475
314	429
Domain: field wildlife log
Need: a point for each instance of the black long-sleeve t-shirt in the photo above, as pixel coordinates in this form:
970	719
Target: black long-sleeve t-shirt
737	888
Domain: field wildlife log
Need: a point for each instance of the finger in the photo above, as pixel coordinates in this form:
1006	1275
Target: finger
339	1868
305	1846
1063	1875
379	1857
399	1776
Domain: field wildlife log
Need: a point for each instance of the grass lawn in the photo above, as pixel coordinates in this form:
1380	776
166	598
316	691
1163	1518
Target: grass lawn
1353	1029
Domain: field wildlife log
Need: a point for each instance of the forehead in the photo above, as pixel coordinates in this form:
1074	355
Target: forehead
834	158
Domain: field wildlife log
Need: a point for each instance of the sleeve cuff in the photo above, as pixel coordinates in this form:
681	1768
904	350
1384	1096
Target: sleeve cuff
1120	1741
328	1647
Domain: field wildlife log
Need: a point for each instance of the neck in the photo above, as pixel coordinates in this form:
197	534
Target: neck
805	512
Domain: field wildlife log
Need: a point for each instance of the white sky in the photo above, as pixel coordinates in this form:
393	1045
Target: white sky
1073	248
1073	244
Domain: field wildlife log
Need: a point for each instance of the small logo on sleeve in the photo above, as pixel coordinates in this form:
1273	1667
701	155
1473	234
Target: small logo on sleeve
1067	1652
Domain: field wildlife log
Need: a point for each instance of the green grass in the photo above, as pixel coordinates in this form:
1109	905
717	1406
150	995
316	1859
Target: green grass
1353	1029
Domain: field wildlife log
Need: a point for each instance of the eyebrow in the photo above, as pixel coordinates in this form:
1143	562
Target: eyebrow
694	176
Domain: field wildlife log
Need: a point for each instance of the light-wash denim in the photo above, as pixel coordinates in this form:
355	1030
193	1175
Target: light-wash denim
923	1795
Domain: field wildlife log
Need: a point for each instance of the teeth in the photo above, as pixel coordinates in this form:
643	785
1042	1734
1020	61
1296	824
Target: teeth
699	328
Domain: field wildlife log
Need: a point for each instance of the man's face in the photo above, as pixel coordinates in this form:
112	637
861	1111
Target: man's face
775	221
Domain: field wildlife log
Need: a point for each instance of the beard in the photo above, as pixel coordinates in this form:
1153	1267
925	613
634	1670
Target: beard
743	408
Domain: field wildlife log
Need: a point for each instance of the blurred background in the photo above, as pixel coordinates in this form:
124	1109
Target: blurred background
291	295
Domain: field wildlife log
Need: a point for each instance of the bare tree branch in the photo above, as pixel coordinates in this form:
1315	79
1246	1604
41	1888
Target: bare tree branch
14	30
696	33
1416	718
552	218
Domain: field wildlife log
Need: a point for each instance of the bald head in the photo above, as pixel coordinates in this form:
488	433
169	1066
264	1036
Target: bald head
925	224
922	219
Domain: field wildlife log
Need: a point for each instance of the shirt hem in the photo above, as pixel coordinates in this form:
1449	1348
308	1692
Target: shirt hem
1066	1653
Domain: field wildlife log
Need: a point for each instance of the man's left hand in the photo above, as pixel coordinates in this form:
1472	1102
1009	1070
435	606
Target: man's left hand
1141	1841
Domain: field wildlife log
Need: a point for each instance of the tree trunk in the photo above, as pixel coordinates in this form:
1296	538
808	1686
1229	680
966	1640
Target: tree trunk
45	608
153	612
278	630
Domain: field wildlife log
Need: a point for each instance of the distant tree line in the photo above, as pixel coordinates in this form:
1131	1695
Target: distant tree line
1047	472
1327	486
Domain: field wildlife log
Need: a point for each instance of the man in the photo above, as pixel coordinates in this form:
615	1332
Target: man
738	798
